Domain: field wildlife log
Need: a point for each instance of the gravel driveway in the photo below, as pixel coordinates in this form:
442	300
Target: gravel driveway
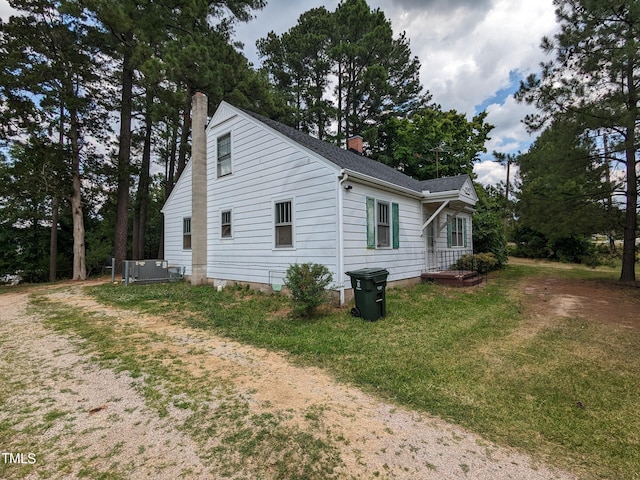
70	415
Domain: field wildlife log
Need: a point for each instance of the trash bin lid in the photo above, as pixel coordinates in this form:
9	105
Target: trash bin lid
368	273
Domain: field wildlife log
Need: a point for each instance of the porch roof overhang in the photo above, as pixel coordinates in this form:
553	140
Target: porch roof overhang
433	216
456	199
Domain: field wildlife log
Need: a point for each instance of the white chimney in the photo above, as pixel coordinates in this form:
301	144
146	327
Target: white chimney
198	189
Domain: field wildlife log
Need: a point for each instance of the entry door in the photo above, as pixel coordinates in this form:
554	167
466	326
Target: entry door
431	248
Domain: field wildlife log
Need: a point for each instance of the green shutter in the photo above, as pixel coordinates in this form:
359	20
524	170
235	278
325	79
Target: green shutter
371	222
449	231
464	231
395	212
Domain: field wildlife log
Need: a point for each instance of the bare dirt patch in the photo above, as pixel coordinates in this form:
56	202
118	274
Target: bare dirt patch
103	423
596	301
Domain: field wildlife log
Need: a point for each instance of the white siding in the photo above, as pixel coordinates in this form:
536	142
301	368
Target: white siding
178	206
267	168
408	260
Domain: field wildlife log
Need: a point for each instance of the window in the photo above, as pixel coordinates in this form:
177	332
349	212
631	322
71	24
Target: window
225	224
284	224
383	225
186	233
224	155
456	232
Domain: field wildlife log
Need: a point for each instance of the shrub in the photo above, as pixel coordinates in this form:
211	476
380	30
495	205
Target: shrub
308	284
482	262
489	237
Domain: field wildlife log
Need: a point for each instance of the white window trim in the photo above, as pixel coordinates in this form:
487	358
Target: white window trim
274	202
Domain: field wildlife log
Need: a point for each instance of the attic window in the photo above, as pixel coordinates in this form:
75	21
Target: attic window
224	155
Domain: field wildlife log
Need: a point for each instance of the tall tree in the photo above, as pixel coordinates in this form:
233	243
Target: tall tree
506	159
47	83
344	68
300	67
562	194
31	179
137	29
377	76
595	77
433	143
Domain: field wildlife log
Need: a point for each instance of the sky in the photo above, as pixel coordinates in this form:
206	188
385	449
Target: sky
473	54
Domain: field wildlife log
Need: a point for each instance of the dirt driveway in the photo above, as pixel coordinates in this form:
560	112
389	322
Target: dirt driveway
69	416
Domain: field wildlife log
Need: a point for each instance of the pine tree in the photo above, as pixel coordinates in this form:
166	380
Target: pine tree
47	78
344	68
595	78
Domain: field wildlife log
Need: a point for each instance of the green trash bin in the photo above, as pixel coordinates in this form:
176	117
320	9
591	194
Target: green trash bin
369	289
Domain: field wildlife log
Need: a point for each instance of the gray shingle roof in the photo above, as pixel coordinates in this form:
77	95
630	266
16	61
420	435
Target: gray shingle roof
445	184
359	163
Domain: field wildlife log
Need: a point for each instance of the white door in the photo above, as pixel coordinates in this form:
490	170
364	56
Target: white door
431	248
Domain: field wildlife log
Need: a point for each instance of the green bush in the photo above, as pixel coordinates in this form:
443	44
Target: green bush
308	284
482	262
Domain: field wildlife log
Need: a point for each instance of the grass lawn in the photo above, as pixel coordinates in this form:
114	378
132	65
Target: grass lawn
569	393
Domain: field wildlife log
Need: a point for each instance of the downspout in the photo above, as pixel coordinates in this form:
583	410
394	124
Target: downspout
340	257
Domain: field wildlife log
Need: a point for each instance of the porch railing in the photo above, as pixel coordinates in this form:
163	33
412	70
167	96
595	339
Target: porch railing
450	260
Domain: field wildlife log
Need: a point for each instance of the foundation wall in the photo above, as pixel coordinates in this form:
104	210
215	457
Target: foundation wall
266	288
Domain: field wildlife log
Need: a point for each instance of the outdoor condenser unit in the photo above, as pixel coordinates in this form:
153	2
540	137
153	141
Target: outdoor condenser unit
149	271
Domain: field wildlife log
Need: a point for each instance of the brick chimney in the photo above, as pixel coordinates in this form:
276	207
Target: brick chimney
198	189
354	144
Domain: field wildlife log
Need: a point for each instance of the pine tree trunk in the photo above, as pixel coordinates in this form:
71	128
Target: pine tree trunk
79	265
171	168
53	242
124	154
628	273
186	131
142	196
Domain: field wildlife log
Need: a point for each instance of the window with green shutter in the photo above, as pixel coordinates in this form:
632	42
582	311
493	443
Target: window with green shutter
383	224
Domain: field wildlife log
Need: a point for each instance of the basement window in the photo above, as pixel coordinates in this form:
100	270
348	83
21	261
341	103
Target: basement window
224	155
186	233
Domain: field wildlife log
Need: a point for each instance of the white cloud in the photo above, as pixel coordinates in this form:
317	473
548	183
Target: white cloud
509	134
492	173
5	10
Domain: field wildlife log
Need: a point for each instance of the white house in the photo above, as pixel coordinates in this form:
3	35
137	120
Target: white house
271	196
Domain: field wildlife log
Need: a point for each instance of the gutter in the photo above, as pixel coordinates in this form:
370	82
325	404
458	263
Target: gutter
366	179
